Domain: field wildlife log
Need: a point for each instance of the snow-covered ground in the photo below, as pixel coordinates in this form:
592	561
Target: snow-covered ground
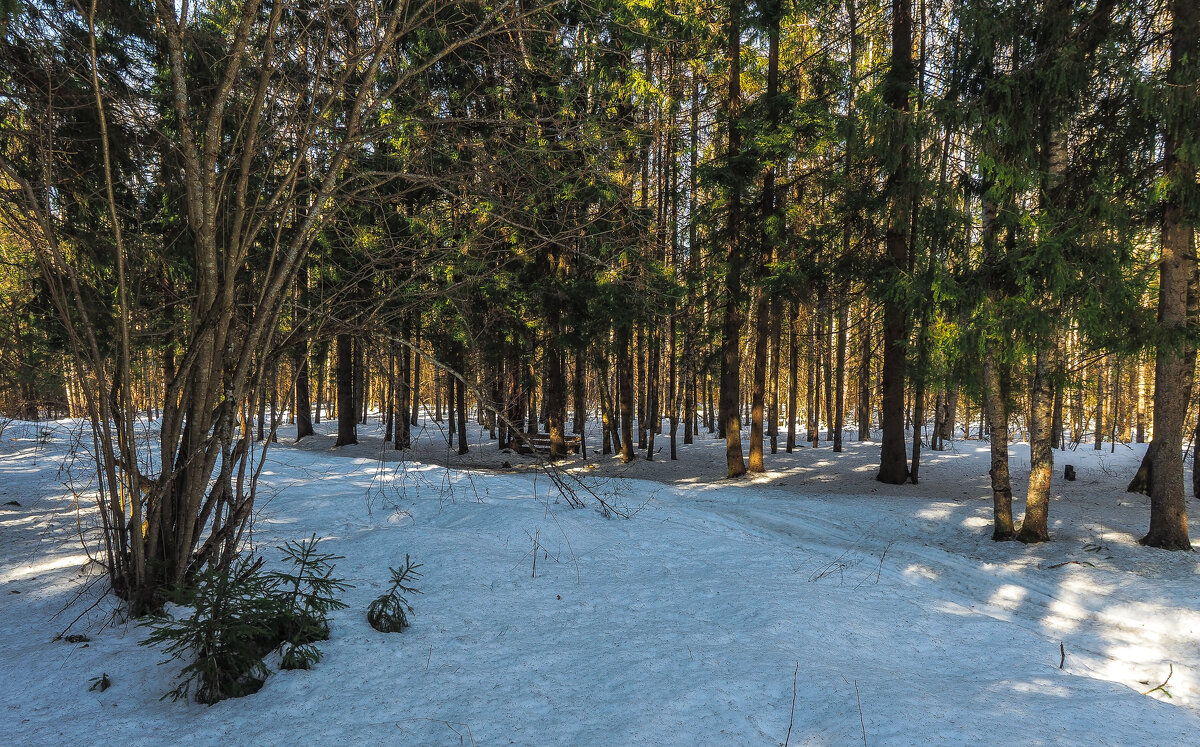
811	600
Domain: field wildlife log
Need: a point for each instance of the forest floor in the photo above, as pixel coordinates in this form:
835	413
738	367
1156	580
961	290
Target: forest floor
807	605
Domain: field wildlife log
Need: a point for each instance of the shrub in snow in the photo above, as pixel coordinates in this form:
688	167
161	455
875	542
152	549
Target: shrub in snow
239	614
308	598
387	614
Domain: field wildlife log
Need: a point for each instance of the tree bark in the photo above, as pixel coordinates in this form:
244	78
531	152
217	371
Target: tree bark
997	417
732	325
1174	359
460	400
793	375
347	413
556	399
839	408
893	457
1035	526
863	408
625	391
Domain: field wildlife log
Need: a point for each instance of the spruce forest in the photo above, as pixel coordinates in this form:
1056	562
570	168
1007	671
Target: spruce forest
833	290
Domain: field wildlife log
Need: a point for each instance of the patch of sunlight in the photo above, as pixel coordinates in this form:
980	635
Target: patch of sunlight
976	522
1041	686
1069	609
763	477
916	572
952	608
1008	597
35	569
1063	615
934	513
1143	666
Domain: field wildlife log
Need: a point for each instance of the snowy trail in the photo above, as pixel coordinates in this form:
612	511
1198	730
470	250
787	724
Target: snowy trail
1058	600
684	625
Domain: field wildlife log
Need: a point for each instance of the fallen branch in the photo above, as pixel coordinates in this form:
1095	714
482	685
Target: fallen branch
861	720
792	717
1071	562
1163	686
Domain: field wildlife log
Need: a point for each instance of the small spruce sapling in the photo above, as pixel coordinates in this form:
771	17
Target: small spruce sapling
235	611
307	596
240	614
387	614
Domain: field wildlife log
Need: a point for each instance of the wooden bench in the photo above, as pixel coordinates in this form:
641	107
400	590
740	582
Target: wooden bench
541	443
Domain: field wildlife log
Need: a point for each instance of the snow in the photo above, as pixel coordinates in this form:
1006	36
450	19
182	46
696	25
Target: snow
886	612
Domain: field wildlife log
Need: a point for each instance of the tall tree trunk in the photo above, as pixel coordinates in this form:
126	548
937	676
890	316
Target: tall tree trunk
827	347
839	407
653	393
450	425
673	385
556	392
814	380
416	372
1035	526
403	434
322	359
918	408
863	409
732	327
625	391
1140	423
994	402
758	383
997	416
303	411
691	423
773	376
793	403
390	405
640	363
1056	430
460	401
1174	361
948	422
893	457
347	413
579	393
608	423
